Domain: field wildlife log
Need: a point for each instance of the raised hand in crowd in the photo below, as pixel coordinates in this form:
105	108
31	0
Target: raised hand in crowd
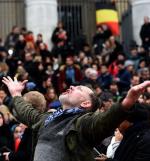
15	87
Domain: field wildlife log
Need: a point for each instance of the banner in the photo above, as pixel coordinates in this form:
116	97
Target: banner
106	13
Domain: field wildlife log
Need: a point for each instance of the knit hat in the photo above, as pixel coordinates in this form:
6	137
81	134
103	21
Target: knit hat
128	63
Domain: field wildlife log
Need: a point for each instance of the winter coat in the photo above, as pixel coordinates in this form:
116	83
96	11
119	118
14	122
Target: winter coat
83	133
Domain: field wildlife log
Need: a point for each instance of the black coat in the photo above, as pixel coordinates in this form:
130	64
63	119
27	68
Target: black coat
5	139
145	33
135	145
24	152
4	136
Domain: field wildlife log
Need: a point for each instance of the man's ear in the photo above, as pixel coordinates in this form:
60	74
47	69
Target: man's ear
86	104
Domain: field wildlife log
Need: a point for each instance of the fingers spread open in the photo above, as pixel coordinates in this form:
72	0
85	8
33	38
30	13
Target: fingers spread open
9	78
5	80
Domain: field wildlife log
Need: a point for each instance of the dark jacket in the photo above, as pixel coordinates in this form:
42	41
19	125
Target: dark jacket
135	145
124	83
86	131
104	80
5	137
145	33
136	140
24	152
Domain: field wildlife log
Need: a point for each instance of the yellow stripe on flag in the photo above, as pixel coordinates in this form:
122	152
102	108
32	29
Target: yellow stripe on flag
106	15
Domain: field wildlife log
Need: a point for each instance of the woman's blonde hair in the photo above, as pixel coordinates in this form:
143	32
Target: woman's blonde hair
8	117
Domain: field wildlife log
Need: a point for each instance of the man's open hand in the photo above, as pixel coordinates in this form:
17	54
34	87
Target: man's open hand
15	87
134	93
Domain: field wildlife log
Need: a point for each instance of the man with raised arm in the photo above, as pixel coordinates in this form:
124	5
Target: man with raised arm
70	134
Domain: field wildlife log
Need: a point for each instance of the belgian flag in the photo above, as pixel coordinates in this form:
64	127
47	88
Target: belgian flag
106	13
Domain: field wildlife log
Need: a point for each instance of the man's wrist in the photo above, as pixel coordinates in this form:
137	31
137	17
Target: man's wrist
127	103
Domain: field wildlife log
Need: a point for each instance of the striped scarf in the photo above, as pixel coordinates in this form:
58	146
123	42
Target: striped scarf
61	112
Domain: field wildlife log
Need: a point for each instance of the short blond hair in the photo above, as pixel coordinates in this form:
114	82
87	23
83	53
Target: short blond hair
37	100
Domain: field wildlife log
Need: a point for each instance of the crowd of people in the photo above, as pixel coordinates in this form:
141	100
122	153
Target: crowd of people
103	66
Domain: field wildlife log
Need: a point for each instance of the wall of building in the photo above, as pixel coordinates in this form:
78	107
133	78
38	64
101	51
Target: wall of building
41	16
11	13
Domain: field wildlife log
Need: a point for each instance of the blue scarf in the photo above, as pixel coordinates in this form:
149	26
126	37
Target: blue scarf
61	112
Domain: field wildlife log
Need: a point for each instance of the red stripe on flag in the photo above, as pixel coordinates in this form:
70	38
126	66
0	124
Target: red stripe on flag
113	26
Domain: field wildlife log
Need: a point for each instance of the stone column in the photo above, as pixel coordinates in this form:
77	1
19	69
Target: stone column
42	17
140	8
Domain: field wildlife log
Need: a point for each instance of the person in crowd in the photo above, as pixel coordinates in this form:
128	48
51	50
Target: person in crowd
107	101
85	63
114	90
134	56
29	64
98	39
9	119
115	142
96	67
29	37
106	51
116	47
30	44
102	34
73	131
69	74
23	30
129	65
12	37
87	50
144	74
90	77
105	78
143	63
145	32
21	144
145	98
21	73
4	69
5	99
113	67
39	40
46	82
136	141
52	101
98	90
123	77
59	34
135	80
43	51
19	48
38	101
5	135
61	42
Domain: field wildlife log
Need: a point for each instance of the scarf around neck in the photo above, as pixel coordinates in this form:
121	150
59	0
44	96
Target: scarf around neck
61	112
